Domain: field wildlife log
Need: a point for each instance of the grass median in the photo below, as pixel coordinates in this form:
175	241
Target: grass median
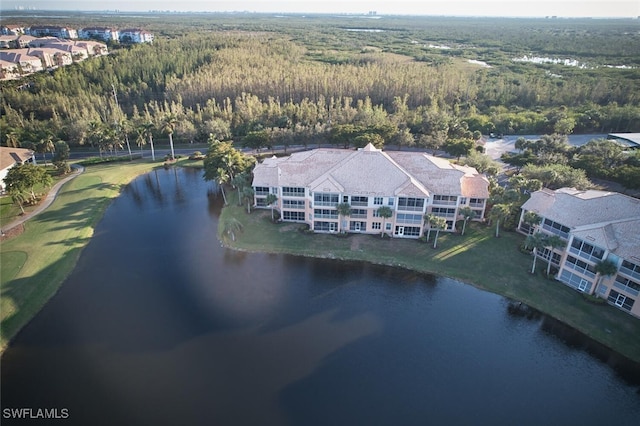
36	262
477	258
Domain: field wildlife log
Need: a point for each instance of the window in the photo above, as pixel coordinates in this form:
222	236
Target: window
376	226
476	202
391	201
359	201
575	281
414	219
293	216
377	201
388	226
586	250
408	231
447	200
580	266
358	213
627	285
325	226
293	204
463	200
325	199
289	191
620	300
630	269
261	190
345	199
556	228
443	212
325	214
410	204
357	226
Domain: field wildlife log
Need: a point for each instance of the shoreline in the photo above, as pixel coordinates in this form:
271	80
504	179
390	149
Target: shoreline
569	316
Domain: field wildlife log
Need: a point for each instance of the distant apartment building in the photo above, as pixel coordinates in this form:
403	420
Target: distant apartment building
12	30
134	35
102	33
27	62
309	185
596	226
54	31
9	70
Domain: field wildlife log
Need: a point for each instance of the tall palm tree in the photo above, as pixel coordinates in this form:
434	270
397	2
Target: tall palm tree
537	241
18	199
140	140
531	219
385	213
13	139
553	242
467	214
222	178
438	223
605	268
270	200
428	221
247	195
499	212
147	130
169	127
239	181
344	211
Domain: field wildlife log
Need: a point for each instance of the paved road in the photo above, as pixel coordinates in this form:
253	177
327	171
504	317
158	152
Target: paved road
53	192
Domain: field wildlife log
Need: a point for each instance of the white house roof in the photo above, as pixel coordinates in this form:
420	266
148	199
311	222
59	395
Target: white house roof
607	219
370	171
10	156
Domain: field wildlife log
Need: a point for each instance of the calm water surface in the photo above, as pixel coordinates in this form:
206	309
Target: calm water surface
160	325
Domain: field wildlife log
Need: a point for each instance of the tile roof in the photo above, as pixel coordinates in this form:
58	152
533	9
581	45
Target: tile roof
607	219
10	156
370	171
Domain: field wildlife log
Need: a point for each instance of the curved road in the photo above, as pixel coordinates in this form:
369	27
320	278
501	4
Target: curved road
53	192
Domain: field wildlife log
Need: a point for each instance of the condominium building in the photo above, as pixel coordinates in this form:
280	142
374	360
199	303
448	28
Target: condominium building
596	226
309	185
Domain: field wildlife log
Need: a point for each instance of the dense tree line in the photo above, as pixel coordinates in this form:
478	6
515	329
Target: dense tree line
311	81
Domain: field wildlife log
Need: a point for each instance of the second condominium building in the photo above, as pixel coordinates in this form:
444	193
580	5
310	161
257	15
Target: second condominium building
309	185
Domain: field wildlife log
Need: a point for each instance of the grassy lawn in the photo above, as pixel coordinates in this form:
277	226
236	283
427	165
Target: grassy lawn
477	258
9	211
35	263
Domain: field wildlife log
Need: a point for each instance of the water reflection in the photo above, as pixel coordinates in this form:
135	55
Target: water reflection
171	328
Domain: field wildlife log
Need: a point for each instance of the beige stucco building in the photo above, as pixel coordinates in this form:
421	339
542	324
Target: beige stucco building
596	226
310	184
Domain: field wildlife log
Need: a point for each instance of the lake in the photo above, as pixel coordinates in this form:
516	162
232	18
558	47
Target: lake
158	324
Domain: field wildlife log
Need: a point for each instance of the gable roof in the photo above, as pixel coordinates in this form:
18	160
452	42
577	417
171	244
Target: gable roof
606	219
10	156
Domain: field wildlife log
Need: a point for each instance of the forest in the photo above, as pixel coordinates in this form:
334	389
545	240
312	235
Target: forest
263	80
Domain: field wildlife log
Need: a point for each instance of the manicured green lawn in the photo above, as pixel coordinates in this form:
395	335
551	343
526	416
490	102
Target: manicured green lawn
35	263
477	258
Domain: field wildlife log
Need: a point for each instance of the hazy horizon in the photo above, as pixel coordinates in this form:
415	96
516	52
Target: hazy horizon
505	8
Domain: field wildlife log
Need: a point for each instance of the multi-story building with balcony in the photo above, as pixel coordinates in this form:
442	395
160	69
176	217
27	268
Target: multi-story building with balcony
309	185
596	226
101	33
54	31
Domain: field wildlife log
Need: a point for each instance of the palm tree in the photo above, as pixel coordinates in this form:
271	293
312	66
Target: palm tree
344	211
605	268
140	140
239	181
230	227
247	195
169	127
385	213
147	130
270	200
499	212
438	223
531	219
553	242
221	179
46	145
537	241
428	220
18	199
467	213
13	139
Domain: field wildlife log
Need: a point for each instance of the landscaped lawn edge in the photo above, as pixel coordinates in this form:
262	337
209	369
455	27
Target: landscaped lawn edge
603	323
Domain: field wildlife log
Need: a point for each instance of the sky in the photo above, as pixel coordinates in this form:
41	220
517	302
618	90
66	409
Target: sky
520	8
